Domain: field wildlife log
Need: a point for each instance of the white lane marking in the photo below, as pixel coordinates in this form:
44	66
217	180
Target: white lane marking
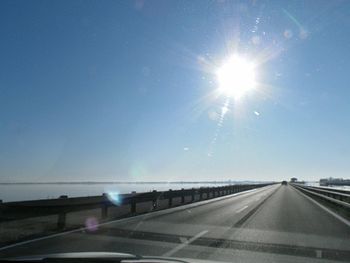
342	219
181	246
241	209
150	215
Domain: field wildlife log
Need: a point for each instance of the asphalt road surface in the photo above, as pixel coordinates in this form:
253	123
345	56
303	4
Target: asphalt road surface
272	224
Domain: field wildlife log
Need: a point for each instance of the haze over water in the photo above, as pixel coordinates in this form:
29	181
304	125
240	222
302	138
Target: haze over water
21	192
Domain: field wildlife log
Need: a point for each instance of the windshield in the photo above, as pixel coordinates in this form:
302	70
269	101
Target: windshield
199	130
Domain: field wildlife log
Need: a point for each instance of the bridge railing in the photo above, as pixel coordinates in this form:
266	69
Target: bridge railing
335	196
61	206
332	189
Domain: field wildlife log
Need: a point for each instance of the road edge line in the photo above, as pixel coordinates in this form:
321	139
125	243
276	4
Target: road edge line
340	218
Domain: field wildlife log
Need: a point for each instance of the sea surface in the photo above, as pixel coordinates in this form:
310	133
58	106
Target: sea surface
21	192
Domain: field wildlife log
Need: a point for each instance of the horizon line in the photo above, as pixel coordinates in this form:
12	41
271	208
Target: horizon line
137	182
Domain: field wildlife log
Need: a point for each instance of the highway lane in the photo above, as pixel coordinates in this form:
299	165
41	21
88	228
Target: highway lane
272	222
289	218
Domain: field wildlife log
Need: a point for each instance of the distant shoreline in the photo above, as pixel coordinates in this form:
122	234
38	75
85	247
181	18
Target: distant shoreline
138	182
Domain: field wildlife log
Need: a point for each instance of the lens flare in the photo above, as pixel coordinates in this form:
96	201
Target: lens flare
91	224
114	197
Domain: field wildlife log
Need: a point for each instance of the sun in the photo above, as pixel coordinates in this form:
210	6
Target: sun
236	77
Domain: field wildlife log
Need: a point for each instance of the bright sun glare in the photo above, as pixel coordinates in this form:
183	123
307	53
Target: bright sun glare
236	76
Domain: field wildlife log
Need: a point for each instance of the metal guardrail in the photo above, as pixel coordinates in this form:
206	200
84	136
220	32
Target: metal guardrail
332	189
61	206
337	197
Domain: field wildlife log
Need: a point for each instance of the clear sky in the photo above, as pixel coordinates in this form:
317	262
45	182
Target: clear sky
127	90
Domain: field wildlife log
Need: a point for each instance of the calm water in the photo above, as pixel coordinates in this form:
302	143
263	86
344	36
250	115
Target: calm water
20	192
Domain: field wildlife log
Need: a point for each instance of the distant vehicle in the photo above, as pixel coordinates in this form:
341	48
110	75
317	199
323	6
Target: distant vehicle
284	183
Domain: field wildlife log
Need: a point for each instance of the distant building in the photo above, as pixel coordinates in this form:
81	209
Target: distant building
324	182
293	180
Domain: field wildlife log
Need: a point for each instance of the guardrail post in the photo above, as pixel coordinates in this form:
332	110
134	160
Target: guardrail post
133	203
155	201
201	193
192	194
182	196
170	197
104	209
208	193
133	206
61	220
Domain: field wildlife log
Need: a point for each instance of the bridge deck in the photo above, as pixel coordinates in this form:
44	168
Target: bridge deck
271	222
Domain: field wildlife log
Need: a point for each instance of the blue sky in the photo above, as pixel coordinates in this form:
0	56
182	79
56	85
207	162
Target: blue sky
125	90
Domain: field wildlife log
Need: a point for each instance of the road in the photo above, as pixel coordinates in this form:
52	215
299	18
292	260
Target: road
272	224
